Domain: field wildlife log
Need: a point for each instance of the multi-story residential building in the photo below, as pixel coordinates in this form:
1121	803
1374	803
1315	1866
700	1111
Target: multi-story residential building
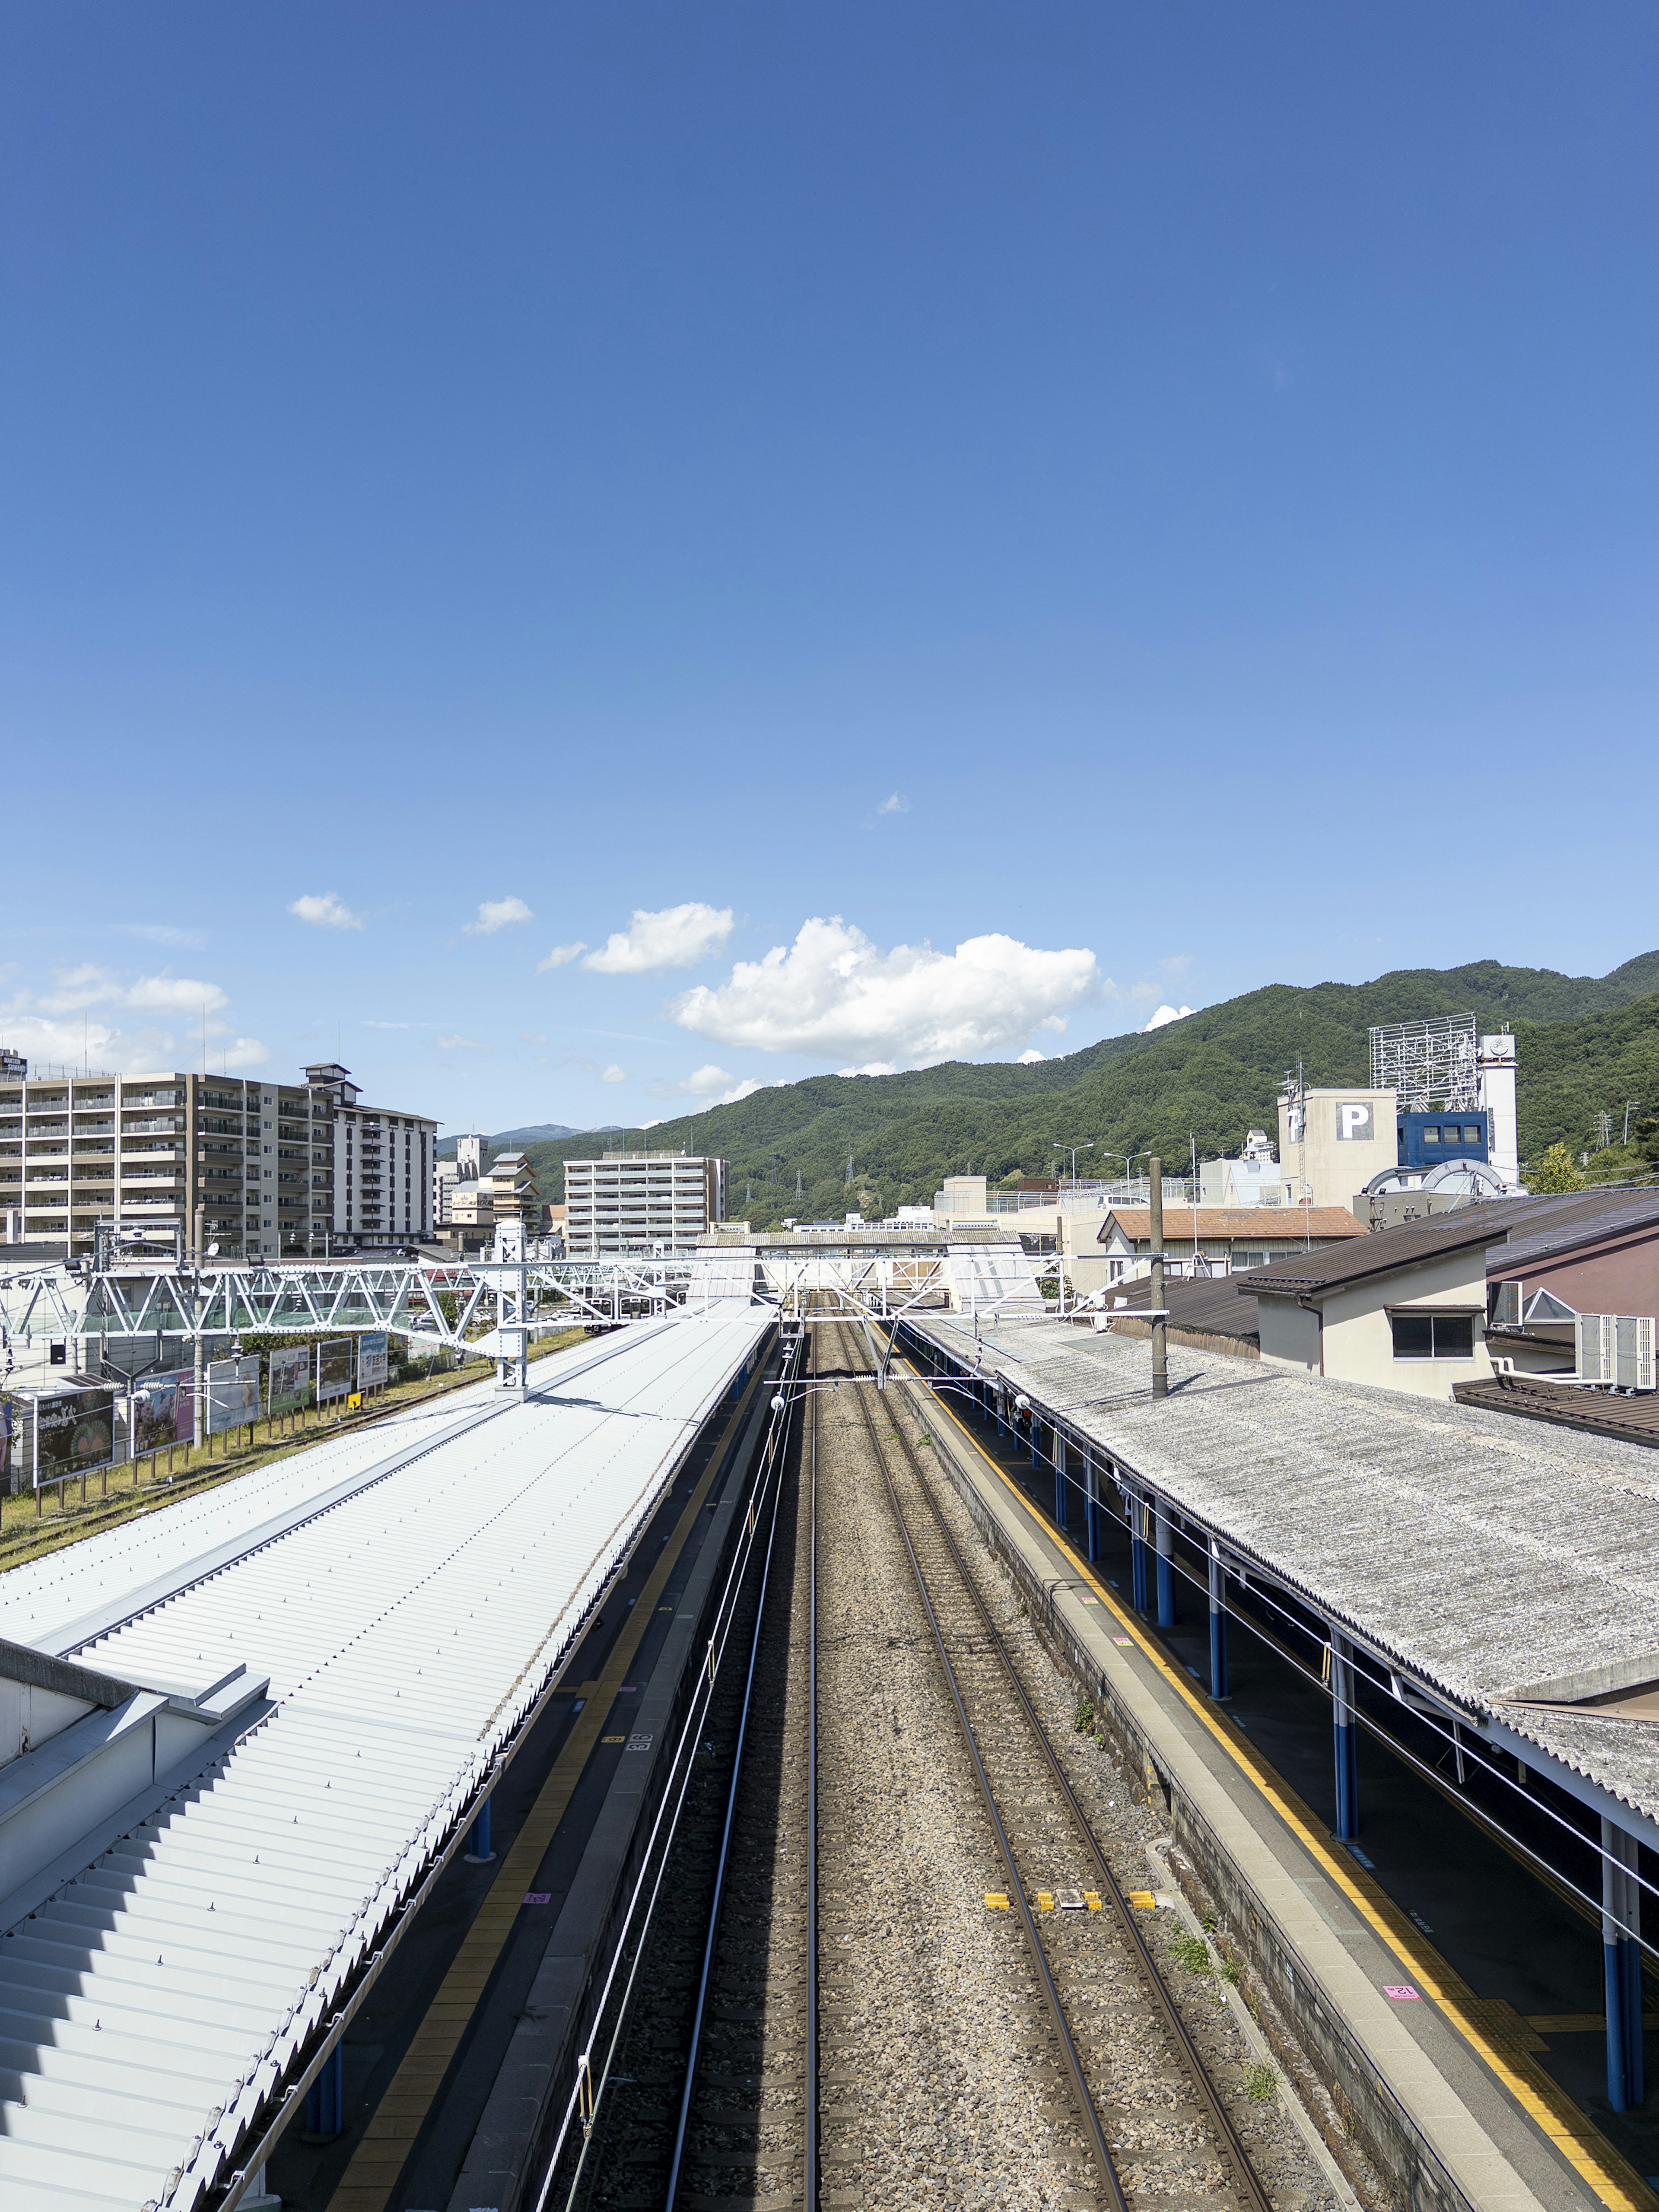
245	1162
382	1161
511	1183
639	1201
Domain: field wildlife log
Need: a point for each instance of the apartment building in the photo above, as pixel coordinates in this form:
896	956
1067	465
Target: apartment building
153	1157
382	1165
639	1201
249	1163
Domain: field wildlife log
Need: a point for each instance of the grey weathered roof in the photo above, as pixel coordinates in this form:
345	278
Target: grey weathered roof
1480	1553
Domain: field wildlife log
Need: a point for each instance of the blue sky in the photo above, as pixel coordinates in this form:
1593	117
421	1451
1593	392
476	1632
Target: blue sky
896	528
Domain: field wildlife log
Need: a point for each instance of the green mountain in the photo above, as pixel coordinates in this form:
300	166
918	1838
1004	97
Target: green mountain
1584	1043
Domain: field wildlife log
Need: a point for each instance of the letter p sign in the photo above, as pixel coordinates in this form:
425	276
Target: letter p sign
1353	1123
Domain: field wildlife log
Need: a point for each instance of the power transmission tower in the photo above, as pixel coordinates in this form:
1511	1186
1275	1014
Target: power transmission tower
1604	1129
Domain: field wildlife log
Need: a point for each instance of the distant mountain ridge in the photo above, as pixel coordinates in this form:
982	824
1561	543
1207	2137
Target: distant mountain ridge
1583	1043
540	1133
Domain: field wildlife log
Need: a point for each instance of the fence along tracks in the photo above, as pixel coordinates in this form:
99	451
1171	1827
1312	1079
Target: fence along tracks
1046	1842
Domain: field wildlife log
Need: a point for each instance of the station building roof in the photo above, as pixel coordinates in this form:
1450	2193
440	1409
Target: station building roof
1484	1556
407	1614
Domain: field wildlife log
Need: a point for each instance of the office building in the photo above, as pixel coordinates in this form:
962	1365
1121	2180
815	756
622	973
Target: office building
640	1203
382	1159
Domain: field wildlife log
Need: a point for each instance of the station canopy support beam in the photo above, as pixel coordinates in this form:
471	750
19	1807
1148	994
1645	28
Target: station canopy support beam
1621	1958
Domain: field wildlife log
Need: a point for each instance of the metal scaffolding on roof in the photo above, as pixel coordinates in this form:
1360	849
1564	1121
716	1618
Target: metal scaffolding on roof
1431	1066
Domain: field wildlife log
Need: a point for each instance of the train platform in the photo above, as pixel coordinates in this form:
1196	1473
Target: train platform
269	1734
1317	1517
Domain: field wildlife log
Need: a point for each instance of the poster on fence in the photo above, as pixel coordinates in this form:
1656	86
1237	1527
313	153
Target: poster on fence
163	1412
371	1359
291	1380
74	1432
334	1369
233	1394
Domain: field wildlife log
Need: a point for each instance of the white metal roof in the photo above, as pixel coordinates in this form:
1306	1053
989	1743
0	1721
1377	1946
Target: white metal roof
150	2006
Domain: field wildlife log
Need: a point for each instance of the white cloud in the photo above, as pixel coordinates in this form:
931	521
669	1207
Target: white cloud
613	1074
746	1089
496	913
870	1067
835	993
1166	1015
701	1080
325	910
161	933
1030	1057
244	1052
561	956
676	937
455	1042
893	803
531	1037
74	989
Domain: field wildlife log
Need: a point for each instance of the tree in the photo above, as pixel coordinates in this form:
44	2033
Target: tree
1553	1171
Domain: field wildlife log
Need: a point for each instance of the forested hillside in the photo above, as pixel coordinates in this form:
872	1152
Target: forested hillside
1583	1043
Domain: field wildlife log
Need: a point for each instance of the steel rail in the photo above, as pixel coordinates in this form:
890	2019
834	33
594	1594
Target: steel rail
1085	2103
711	1941
1246	2179
811	2096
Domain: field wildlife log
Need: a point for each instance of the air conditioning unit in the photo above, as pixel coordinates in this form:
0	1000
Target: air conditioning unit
1616	1348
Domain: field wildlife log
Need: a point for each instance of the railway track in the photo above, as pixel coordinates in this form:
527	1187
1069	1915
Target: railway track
1110	2009
894	1965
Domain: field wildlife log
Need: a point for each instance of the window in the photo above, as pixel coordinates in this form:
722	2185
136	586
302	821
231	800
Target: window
1471	1132
1431	1136
1432	1336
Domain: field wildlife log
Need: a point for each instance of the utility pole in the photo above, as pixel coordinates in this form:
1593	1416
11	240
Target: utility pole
200	1390
1604	1128
1631	1105
1160	1345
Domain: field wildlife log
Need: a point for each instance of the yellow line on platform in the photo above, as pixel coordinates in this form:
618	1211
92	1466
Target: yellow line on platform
1483	2023
389	2137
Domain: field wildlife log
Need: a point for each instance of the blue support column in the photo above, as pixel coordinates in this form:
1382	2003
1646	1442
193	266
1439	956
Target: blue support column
1346	1733
325	2100
1219	1683
1166	1591
478	1852
1091	1506
1034	1429
1060	1479
1138	1554
1621	1960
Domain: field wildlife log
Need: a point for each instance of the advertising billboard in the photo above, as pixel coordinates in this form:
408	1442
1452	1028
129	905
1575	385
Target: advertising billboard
291	1380
233	1394
371	1359
163	1412
334	1369
74	1431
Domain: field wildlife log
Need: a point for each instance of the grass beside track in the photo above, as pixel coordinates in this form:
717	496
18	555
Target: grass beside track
32	1525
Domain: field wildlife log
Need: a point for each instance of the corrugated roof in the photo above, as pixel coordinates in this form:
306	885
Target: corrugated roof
1213	1303
149	2007
1258	1223
1481	1553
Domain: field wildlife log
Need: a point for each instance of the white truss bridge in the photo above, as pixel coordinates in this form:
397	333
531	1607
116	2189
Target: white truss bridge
445	1302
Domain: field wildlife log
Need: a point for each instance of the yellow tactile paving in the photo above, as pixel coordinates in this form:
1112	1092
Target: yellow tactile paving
1614	2180
369	2180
